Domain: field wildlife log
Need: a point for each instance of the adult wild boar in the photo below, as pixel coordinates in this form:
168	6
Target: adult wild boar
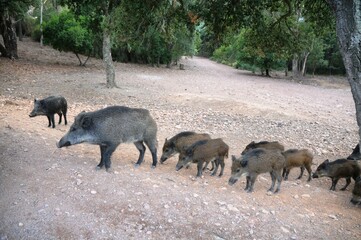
112	126
48	107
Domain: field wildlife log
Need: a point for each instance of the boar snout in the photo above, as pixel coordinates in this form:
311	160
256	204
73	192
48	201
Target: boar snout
232	181
178	167
63	143
314	175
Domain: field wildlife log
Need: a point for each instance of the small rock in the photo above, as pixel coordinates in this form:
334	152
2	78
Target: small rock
21	224
170	220
333	217
195	195
305	195
93	192
166	206
232	208
221	203
296	196
285	230
78	182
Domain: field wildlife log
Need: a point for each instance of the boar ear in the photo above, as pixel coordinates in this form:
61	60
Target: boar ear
35	100
234	158
86	122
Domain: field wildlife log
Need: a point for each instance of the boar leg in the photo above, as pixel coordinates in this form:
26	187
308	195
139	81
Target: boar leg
334	182
64	113
273	177
102	151
60	115
302	170
152	145
284	173
49	120
308	168
199	168
278	176
247	183
52	120
348	181
216	168
140	146
107	153
252	179
221	161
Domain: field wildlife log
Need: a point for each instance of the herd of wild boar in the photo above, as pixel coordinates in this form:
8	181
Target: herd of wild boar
114	125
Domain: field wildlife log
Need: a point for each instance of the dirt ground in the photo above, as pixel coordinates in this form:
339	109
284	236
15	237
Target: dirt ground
51	193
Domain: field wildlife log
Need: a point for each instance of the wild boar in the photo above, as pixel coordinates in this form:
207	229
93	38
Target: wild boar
298	158
204	151
180	141
256	161
112	126
340	168
48	107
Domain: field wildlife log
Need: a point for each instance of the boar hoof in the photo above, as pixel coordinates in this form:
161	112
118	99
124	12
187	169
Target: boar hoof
152	166
136	165
109	170
97	168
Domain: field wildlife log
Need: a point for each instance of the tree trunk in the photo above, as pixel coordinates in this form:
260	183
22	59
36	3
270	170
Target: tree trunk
304	63
108	61
8	32
295	66
348	29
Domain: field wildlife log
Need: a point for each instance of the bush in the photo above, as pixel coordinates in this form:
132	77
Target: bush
65	33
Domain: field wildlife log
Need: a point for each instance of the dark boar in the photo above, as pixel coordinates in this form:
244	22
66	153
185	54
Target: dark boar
355	155
112	126
256	161
204	151
356	192
263	144
180	141
298	158
48	107
340	168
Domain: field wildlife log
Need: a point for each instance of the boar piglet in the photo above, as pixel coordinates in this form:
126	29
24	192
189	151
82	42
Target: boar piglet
263	144
298	158
180	141
112	126
340	168
48	107
356	192
256	161
204	151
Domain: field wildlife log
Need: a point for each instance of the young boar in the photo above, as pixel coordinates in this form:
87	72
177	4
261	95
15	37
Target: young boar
48	107
256	161
112	126
263	144
356	192
204	151
340	168
298	158
180	141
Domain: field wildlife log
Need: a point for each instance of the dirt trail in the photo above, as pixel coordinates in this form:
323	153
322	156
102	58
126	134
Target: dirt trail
50	193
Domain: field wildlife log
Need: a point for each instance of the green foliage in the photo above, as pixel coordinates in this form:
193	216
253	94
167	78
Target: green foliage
156	32
65	33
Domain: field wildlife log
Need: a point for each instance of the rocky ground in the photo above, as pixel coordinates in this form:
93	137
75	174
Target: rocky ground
50	193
